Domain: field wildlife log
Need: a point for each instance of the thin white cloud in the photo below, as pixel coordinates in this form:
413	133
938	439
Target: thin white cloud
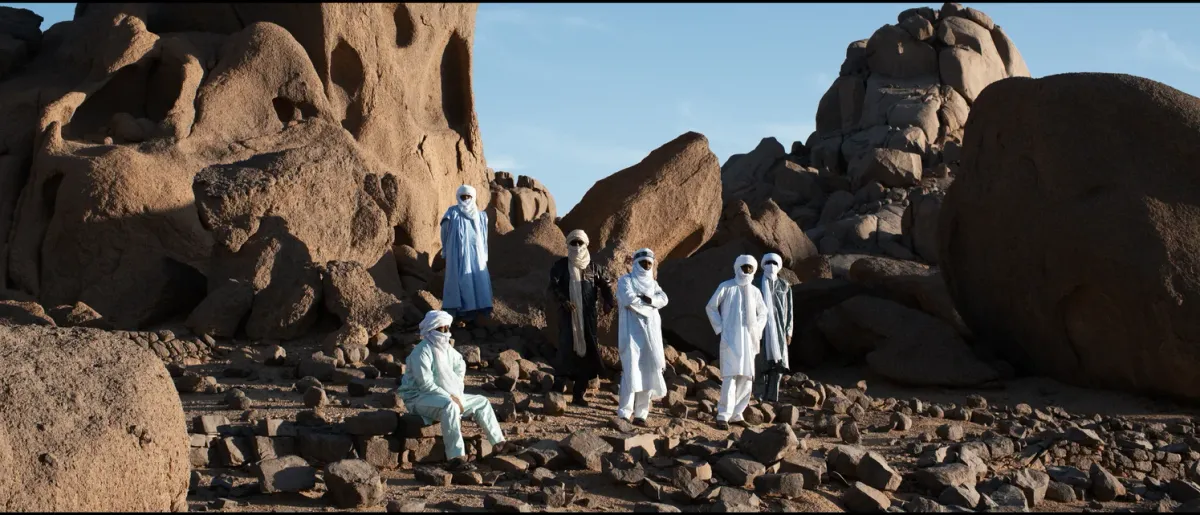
1158	45
503	163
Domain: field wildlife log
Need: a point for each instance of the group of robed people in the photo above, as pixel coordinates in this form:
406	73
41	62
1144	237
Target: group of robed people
754	322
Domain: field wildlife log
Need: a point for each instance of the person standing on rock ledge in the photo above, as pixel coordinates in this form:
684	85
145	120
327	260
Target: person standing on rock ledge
579	285
777	336
640	339
739	315
467	293
432	387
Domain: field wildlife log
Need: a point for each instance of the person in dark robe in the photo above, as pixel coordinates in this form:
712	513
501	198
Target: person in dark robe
580	288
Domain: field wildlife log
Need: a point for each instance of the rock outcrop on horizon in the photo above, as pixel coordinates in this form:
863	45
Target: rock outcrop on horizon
517	202
154	151
1069	243
868	182
888	134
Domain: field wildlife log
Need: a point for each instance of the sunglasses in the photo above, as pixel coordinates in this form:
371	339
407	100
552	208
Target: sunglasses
770	263
443	329
577	243
465	197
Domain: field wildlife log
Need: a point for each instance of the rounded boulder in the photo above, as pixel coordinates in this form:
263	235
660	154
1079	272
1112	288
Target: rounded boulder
1071	238
88	422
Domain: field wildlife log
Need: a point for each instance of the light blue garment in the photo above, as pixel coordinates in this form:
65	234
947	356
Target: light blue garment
434	406
424	395
468	287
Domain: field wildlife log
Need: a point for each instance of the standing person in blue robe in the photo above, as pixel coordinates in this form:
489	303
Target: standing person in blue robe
467	293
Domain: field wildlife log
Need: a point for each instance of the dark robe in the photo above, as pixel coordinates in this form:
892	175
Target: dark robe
595	286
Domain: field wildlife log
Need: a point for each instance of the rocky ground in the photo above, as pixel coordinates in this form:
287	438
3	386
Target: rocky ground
834	442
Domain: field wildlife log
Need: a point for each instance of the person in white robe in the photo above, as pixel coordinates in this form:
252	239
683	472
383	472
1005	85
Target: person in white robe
777	336
738	315
639	339
467	292
432	387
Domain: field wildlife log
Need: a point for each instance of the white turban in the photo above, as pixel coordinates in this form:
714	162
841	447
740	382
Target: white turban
433	320
771	270
643	280
468	207
443	366
744	278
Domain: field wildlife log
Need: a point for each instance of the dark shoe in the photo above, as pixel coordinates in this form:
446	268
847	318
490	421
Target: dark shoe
640	422
460	464
722	425
580	402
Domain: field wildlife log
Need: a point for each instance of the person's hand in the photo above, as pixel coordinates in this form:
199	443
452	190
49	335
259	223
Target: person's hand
458	402
571	307
646	299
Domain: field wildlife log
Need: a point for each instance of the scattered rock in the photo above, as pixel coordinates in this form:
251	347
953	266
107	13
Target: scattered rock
784	485
862	498
503	504
1104	485
769	445
1033	483
950	432
586	448
874	471
286	474
961	495
739	470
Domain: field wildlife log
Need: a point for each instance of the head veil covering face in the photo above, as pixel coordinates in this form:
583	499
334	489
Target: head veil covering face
774	347
432	321
444	370
643	280
744	278
578	259
743	283
771	270
468	207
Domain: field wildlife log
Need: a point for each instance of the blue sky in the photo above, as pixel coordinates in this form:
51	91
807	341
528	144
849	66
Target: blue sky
570	93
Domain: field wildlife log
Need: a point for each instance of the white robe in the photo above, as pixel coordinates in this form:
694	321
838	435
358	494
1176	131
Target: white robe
740	332
639	339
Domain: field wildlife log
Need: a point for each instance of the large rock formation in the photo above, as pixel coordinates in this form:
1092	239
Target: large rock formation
1070	240
888	133
119	110
669	202
868	183
89	421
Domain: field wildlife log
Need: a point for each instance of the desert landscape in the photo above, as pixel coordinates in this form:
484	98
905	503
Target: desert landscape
221	229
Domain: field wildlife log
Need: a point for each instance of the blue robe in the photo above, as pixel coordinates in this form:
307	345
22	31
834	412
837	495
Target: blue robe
468	287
